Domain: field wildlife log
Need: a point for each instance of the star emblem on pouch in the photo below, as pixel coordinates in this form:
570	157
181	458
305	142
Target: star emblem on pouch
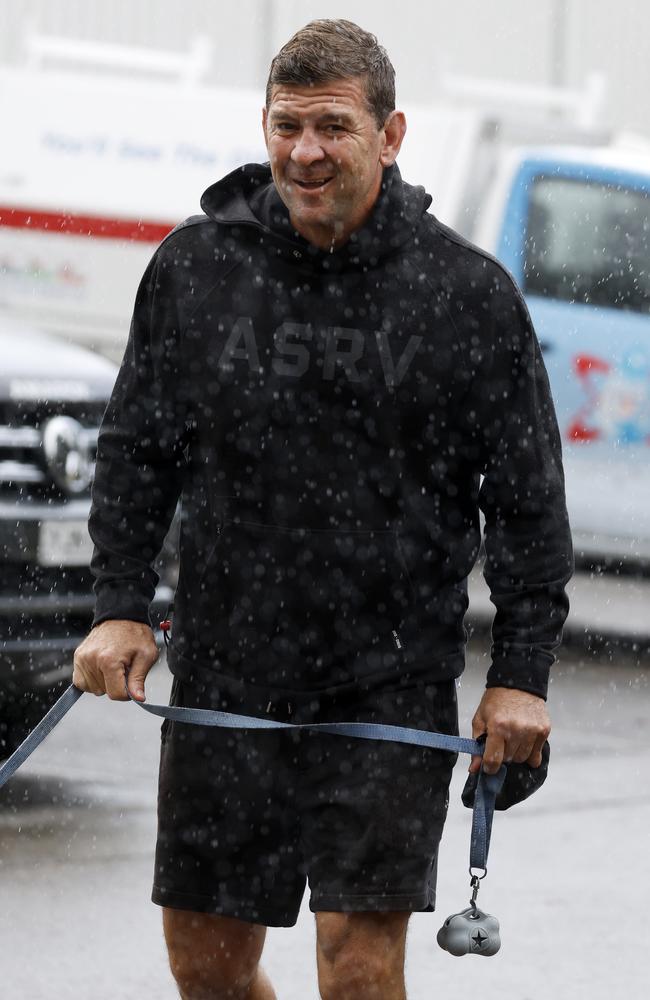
479	940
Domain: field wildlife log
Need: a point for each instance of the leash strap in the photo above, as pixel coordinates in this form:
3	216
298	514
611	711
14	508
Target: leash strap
361	730
39	732
488	786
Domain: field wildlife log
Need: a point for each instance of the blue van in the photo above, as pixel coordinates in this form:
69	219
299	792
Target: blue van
573	227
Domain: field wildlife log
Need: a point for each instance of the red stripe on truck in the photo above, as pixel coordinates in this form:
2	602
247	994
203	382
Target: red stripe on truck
84	225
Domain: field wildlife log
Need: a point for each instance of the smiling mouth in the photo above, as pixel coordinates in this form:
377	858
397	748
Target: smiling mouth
315	185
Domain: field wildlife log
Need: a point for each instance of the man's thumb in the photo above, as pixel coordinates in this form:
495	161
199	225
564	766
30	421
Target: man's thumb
479	726
140	667
479	729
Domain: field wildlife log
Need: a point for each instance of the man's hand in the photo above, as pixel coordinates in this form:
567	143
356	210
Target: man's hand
112	651
517	725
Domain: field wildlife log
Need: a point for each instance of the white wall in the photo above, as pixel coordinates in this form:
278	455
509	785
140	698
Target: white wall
615	38
545	41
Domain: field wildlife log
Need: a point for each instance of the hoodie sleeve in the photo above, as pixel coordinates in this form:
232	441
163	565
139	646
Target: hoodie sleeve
140	458
529	555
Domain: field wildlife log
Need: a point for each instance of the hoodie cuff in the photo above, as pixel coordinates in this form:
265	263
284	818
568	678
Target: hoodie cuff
123	602
521	671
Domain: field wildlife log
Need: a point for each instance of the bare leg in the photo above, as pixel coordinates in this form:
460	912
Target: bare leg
360	956
213	957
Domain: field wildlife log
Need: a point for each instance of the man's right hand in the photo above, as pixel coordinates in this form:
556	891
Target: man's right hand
113	651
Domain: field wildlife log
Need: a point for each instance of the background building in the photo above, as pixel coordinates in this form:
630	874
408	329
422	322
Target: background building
552	41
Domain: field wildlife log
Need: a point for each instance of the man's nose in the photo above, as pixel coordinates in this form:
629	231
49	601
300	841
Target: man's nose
307	148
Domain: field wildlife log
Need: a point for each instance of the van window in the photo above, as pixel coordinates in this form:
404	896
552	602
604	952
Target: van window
588	242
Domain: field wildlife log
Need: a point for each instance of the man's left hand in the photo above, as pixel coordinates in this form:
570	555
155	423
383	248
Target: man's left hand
517	725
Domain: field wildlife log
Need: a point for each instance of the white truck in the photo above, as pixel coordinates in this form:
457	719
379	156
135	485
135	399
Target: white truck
99	167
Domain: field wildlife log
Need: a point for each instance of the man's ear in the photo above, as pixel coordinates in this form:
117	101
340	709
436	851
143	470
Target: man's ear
264	121
394	131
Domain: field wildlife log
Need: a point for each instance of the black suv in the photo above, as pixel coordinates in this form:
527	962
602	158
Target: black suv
52	397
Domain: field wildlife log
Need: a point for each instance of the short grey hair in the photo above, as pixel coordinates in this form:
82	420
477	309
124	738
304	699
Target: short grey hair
327	50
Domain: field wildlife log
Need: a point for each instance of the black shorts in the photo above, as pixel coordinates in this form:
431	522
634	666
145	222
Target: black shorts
245	817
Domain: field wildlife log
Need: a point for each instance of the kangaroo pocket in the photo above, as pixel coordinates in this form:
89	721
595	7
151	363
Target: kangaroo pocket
301	608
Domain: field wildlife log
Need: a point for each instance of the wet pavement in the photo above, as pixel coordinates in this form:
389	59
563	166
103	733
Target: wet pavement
569	871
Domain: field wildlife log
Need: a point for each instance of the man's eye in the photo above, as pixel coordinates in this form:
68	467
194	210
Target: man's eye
335	128
284	126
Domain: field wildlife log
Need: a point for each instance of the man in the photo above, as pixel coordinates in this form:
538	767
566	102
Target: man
334	383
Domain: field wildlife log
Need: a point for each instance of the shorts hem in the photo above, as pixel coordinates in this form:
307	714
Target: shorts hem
227	908
370	902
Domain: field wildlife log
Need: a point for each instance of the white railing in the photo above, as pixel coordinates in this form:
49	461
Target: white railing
582	107
188	68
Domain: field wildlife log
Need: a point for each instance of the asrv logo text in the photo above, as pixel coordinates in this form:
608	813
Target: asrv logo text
297	345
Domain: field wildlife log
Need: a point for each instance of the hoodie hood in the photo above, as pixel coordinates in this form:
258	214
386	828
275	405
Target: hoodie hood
249	197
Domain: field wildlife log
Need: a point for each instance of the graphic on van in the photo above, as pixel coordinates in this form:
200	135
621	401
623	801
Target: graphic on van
34	273
617	399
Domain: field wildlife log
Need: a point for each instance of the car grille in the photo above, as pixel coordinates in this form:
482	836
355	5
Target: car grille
24	471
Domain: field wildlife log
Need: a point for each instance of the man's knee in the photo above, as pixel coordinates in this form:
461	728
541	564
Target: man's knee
212	956
361	955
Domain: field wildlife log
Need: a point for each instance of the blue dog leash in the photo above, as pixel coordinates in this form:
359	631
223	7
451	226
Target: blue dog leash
488	788
39	732
488	785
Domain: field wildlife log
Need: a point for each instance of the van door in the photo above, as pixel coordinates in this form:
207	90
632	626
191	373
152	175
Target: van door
576	237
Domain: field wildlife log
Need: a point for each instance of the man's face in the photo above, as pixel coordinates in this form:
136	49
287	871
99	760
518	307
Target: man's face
327	155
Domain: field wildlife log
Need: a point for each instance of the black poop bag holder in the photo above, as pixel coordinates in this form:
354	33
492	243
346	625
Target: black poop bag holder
472	931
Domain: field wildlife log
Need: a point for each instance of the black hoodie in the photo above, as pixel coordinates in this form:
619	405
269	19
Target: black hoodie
332	423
